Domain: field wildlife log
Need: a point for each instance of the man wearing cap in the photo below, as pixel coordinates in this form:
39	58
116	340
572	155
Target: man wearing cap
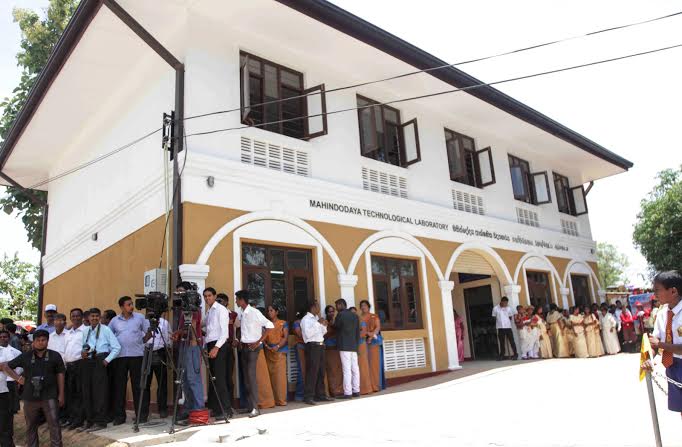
50	312
43	382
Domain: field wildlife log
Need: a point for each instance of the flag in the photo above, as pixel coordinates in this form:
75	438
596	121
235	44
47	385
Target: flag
645	354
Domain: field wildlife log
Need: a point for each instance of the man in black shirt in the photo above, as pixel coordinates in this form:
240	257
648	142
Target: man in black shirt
43	381
347	325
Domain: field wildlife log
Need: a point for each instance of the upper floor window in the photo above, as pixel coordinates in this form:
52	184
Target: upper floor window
273	98
529	187
383	137
569	200
467	165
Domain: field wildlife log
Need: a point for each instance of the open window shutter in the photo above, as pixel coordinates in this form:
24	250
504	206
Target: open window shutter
456	157
410	142
485	171
540	182
316	111
579	200
246	90
518	183
368	129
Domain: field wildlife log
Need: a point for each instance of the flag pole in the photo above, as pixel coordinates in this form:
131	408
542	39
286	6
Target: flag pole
652	406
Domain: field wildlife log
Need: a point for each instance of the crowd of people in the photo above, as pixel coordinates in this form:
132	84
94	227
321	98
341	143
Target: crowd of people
580	331
75	376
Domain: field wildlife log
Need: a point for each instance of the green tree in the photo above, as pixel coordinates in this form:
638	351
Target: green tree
658	230
38	37
18	289
612	265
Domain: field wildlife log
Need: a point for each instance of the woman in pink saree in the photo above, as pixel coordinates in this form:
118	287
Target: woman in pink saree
459	333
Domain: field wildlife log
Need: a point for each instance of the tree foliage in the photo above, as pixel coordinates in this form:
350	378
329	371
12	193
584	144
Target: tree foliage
658	230
38	37
612	265
18	289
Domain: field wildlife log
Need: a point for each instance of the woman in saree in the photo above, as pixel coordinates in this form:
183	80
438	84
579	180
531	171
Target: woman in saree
545	339
374	346
332	359
578	326
569	335
459	334
363	360
595	347
556	328
609	329
300	356
628	327
276	350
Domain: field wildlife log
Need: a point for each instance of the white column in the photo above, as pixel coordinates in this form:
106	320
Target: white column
347	284
564	291
602	295
512	292
195	273
449	316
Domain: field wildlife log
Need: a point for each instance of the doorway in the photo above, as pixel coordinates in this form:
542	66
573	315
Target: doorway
581	291
480	323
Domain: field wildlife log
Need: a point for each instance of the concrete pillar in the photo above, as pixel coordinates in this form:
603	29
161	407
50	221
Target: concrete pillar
450	334
512	292
602	295
195	273
347	285
564	291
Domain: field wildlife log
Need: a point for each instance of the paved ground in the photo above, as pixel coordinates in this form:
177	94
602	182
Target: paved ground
567	402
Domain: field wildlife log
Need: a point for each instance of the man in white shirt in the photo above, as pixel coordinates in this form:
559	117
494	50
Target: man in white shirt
57	340
253	327
74	364
313	329
503	314
7	393
158	339
216	322
667	334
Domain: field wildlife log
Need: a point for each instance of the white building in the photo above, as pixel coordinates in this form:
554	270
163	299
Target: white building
420	206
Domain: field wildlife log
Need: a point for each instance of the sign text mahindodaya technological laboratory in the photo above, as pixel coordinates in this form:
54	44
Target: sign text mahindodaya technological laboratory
469	231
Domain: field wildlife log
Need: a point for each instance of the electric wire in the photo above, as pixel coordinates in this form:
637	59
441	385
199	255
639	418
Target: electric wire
444	92
440	67
401	100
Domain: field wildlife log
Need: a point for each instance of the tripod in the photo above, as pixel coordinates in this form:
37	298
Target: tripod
180	379
147	367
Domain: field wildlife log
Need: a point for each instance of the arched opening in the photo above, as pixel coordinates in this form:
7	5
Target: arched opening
582	282
541	278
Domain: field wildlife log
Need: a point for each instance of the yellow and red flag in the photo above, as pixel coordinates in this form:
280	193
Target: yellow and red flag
646	353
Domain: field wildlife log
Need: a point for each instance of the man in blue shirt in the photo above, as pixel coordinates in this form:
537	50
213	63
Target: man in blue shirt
100	347
129	328
50	312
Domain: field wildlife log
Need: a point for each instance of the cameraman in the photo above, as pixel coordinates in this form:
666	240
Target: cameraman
129	328
190	355
100	347
216	322
159	337
43	381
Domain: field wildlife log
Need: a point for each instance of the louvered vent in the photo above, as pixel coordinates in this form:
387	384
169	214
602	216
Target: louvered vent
569	227
527	217
275	157
384	183
404	354
292	371
469	203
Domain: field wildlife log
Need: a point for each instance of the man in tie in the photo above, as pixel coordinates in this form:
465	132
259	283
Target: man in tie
667	333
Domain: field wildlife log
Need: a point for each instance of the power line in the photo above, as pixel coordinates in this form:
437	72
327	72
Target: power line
471	87
91	162
445	92
440	67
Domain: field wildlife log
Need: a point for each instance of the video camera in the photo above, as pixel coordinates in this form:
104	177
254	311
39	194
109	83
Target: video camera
187	301
156	303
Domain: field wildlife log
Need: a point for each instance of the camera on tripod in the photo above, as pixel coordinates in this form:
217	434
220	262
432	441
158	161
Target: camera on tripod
155	304
187	301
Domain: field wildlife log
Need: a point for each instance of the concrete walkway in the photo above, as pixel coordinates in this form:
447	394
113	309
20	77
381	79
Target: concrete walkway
562	402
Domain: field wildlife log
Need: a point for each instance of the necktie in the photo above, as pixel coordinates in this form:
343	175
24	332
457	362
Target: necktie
667	359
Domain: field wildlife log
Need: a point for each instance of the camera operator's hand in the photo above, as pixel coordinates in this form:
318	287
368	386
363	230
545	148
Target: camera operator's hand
105	363
21	380
213	353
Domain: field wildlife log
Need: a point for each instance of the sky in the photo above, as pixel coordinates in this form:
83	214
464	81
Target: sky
630	107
